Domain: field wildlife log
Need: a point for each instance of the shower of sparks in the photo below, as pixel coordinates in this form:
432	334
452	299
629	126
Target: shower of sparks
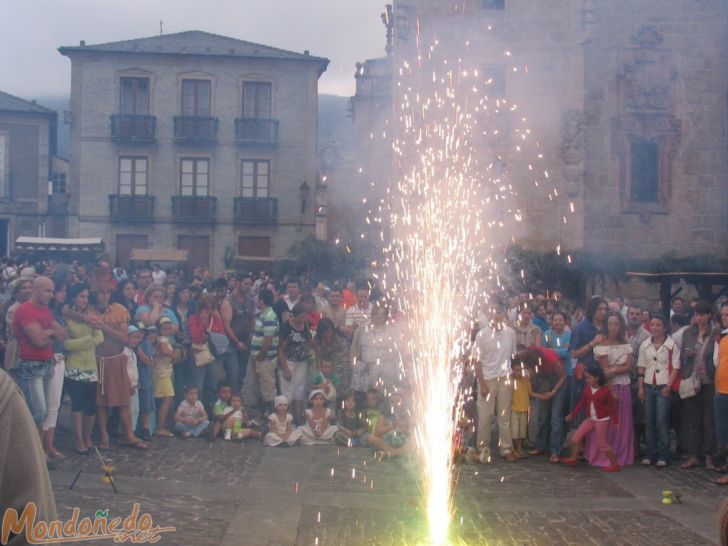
451	213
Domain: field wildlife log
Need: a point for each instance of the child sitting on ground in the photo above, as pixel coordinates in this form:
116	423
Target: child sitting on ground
145	366
222	409
190	418
391	434
373	410
237	425
352	423
519	408
326	380
318	428
598	401
281	425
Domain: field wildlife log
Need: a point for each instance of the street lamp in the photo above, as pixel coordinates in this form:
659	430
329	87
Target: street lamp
304	191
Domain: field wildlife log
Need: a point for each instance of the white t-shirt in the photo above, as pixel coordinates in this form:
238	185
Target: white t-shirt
278	427
494	349
159	277
131	366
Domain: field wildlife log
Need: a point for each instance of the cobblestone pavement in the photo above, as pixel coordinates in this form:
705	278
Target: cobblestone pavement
232	493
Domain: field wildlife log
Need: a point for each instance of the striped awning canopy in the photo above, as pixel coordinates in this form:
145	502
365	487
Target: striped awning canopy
47	244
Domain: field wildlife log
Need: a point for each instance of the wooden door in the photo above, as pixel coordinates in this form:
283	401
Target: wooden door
198	250
124	246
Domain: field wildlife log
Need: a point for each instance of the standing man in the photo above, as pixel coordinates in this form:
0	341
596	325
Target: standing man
238	318
494	348
331	307
284	306
264	348
36	330
144	281
359	313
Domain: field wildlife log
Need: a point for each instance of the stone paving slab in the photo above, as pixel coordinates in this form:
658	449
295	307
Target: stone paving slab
231	493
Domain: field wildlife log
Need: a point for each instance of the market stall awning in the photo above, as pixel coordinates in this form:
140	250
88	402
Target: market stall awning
158	255
47	244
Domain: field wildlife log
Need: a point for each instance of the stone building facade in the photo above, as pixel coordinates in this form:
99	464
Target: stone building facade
627	99
194	141
28	204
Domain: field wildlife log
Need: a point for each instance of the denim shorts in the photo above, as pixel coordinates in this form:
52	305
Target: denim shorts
28	369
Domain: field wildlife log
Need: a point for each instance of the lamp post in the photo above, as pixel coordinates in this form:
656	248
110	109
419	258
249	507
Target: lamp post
304	191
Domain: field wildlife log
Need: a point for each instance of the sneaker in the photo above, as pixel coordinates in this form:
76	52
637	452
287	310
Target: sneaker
661	464
228	435
612	468
646	462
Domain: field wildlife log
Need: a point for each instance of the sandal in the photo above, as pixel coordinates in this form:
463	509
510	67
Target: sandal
57	455
692	462
555	459
82	452
722	481
568	461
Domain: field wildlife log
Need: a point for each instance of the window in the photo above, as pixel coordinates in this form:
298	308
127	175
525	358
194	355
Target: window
58	183
133	175
256	100
494	4
196	98
256	175
135	96
254	246
645	172
195	176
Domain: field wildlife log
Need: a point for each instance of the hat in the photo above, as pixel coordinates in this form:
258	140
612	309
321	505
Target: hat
315	392
164	320
132	329
150	330
280	400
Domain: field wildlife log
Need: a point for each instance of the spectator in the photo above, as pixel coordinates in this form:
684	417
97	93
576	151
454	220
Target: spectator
658	368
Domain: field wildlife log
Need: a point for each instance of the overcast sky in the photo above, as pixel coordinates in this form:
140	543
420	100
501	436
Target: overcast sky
344	31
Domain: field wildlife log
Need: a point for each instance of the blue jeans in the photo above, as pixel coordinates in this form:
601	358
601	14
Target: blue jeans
720	402
657	412
32	375
206	378
550	422
236	365
195	430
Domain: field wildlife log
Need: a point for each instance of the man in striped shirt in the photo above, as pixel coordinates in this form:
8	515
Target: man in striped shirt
359	313
264	347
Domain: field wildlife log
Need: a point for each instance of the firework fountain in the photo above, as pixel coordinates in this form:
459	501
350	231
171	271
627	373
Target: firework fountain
445	213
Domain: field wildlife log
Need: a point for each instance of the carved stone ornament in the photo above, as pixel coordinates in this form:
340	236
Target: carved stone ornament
647	36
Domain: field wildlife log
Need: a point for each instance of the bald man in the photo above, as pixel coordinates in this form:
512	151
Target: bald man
36	330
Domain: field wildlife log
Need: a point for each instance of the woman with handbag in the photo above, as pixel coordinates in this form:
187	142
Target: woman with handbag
697	388
206	369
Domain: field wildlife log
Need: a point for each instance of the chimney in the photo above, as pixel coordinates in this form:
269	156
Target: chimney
306	52
83	43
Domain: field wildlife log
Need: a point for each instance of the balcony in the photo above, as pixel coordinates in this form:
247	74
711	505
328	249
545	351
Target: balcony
197	129
131	208
193	209
256	211
133	128
58	204
256	132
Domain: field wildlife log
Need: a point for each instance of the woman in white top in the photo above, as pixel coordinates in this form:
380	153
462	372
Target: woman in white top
614	355
657	370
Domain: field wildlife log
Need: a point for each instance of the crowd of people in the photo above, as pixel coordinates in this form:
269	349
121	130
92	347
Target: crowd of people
151	354
617	382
